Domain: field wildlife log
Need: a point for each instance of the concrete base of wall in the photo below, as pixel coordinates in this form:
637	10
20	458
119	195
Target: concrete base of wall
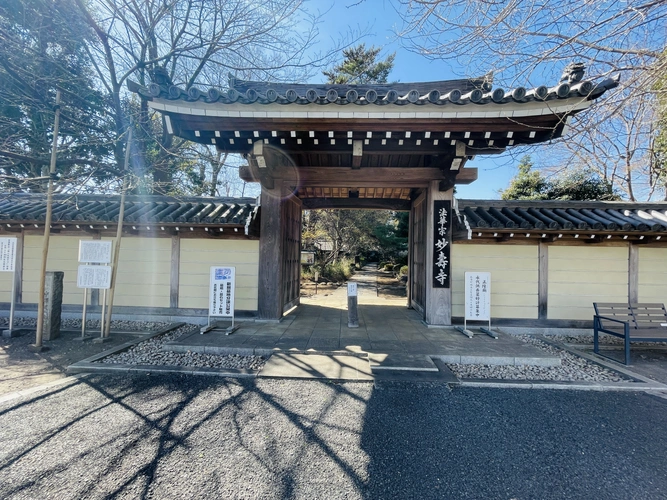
535	323
199	316
126	313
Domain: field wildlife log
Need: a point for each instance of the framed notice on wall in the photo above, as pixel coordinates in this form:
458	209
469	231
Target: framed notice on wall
95	251
477	296
221	292
442	230
7	254
98	277
307	258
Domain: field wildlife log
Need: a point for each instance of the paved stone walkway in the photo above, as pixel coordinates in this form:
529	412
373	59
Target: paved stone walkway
386	325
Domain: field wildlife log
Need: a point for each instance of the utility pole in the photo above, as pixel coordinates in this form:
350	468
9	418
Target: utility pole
47	232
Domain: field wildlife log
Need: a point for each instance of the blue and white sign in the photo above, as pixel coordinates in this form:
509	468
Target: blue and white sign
221	292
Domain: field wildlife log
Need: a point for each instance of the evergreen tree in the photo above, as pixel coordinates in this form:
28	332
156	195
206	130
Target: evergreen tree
357	232
527	185
43	49
576	185
659	143
360	66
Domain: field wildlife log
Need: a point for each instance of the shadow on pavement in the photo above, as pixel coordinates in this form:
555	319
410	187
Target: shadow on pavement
185	437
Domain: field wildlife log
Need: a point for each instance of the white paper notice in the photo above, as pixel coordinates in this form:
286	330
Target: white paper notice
221	292
478	296
7	254
93	277
95	251
351	289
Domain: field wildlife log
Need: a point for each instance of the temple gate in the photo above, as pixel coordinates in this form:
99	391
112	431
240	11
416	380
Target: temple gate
396	147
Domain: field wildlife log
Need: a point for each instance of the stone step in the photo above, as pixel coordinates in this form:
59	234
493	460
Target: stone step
317	366
402	362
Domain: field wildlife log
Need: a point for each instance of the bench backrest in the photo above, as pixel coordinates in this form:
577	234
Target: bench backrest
649	315
639	315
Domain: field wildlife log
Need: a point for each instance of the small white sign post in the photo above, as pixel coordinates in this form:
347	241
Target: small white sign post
221	296
352	312
477	301
8	265
96	276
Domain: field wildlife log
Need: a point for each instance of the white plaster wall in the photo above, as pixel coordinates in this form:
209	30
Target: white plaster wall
579	276
653	275
514	275
197	257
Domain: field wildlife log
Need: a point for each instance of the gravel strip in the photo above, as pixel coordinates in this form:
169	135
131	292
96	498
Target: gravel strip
572	368
149	352
604	340
93	324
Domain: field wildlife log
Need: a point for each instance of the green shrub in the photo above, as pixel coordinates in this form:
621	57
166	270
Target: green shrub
389	267
308	272
338	271
403	271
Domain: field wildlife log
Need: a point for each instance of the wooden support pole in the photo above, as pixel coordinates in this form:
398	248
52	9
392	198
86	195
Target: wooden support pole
47	230
411	256
542	280
271	255
18	275
119	235
174	278
633	273
438	303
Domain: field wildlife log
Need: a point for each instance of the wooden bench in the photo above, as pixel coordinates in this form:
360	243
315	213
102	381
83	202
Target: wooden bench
631	322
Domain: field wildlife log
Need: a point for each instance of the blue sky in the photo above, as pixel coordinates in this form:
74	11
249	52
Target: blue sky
380	20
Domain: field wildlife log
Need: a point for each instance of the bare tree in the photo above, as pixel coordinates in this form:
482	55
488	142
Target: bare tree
211	172
531	41
188	43
518	37
620	148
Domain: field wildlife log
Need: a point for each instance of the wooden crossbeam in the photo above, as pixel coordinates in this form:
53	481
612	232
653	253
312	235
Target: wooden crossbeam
357	203
376	176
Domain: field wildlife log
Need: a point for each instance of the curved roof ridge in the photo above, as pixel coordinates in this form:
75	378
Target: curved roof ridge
563	203
443	86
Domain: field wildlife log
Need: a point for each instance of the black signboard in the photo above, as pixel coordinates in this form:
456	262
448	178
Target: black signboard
442	231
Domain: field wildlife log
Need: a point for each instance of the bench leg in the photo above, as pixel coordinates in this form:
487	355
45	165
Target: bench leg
596	346
626	331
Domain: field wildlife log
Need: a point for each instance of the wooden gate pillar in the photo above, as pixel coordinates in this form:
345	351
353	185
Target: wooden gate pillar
279	253
438	303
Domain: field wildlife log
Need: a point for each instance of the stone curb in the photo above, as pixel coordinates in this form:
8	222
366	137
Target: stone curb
575	386
82	367
545	361
257	351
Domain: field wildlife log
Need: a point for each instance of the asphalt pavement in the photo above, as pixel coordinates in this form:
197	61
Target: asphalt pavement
196	437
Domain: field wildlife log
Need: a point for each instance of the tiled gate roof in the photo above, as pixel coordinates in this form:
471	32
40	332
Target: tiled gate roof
31	208
568	216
